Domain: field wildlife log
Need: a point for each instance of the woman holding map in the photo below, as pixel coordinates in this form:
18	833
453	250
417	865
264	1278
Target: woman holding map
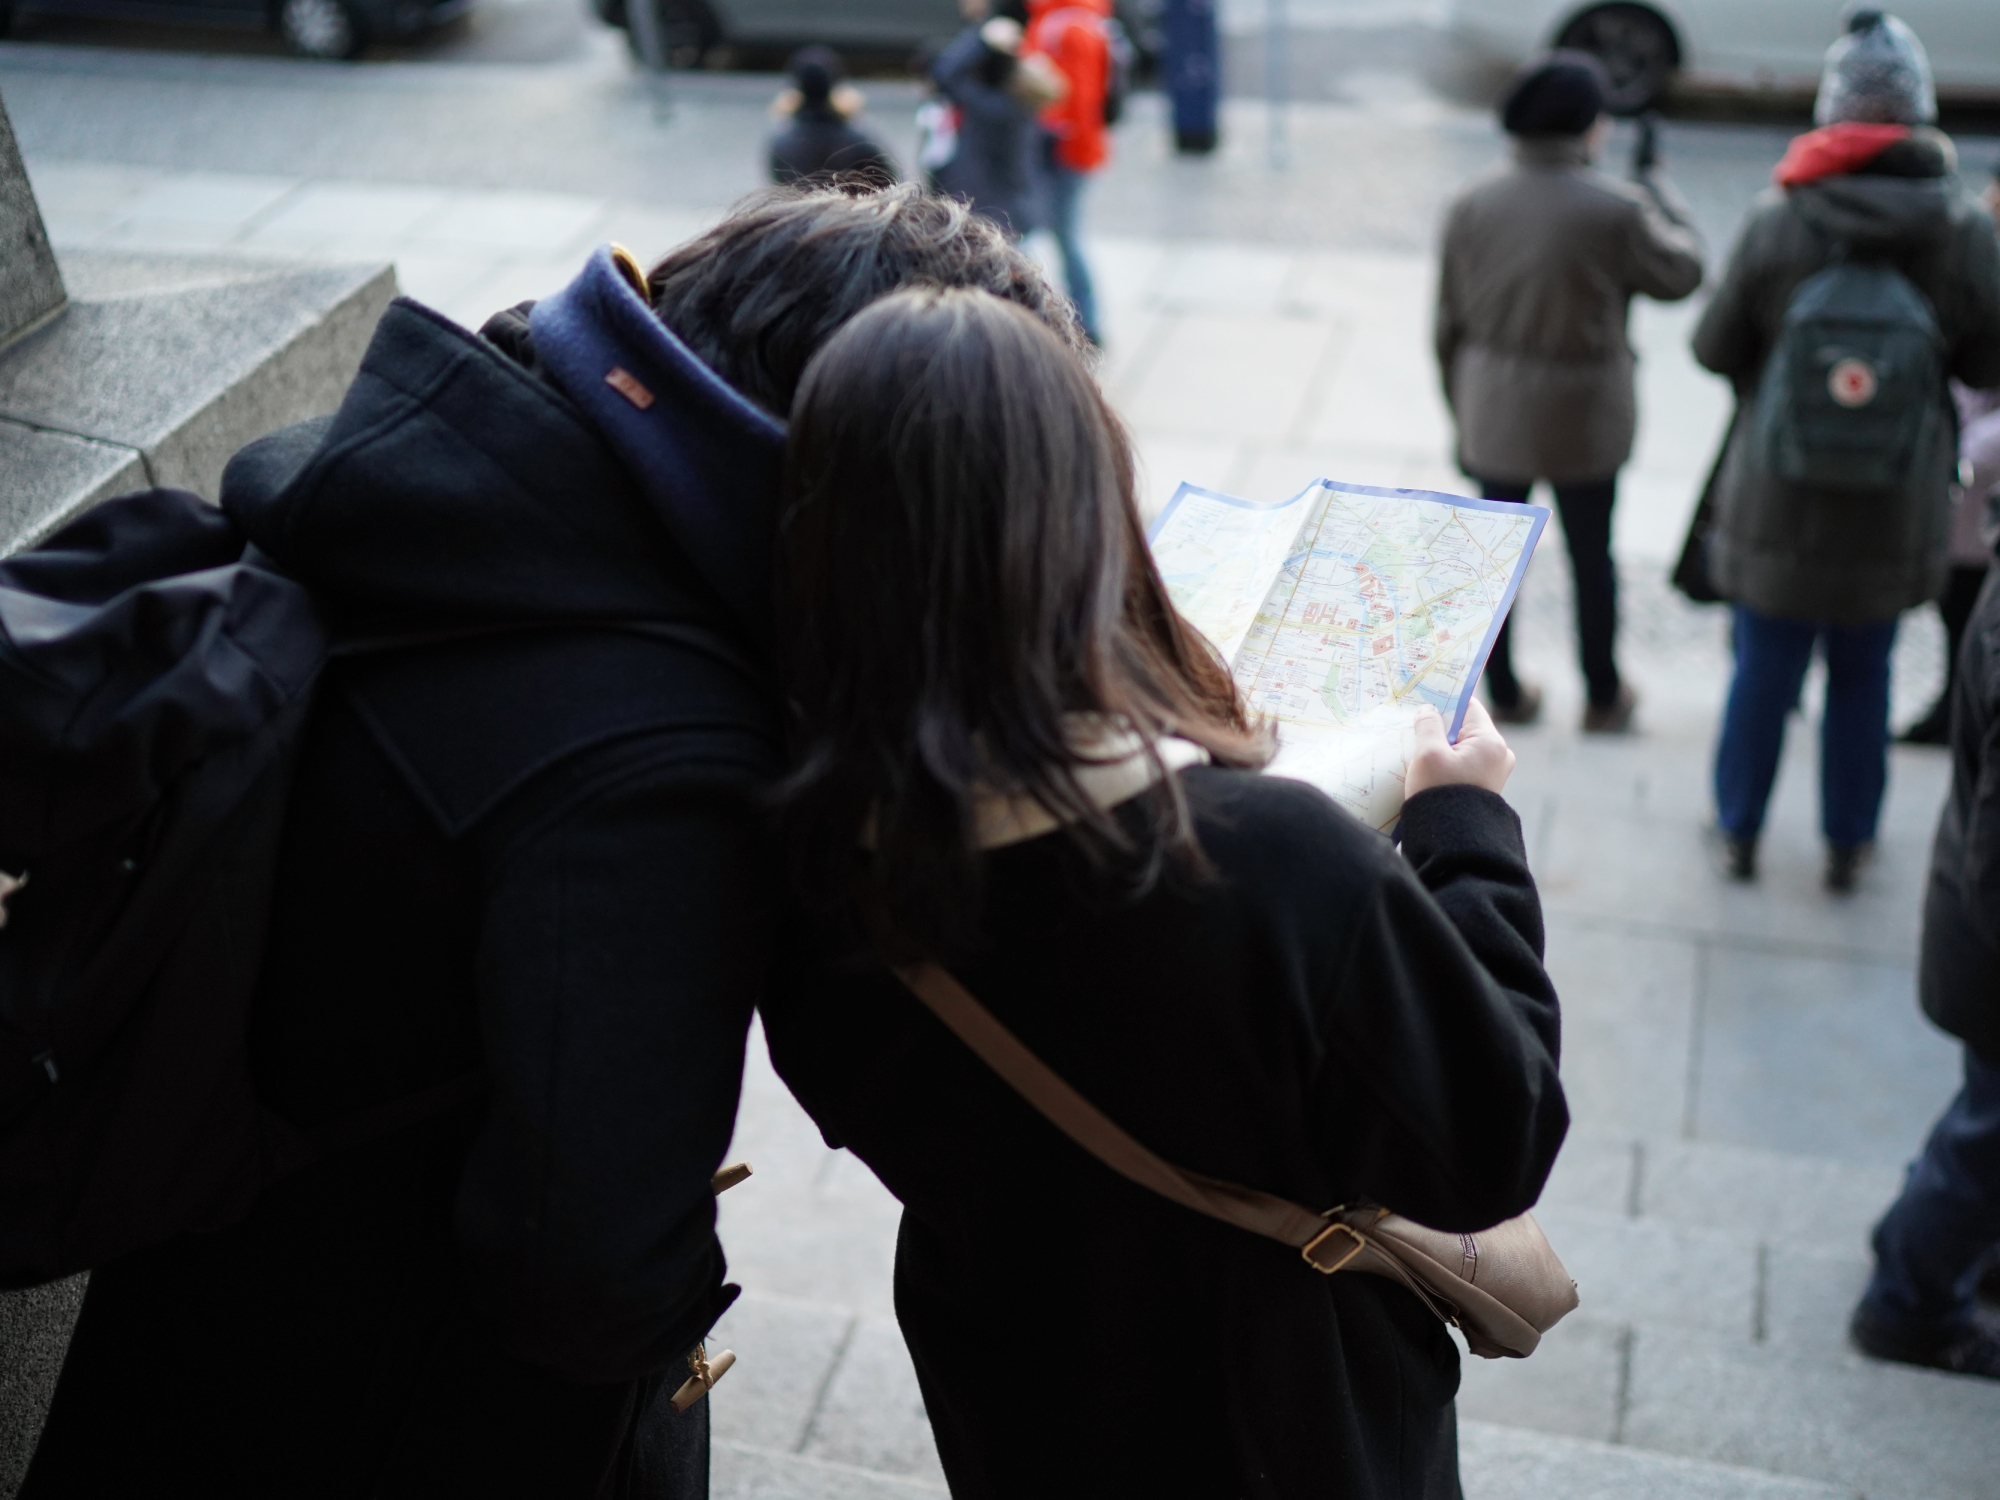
1017	767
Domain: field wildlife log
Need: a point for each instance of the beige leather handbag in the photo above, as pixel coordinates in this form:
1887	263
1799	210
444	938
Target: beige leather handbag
1503	1287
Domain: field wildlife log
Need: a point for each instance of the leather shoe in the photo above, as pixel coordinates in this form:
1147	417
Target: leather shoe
1963	1350
1614	717
1523	710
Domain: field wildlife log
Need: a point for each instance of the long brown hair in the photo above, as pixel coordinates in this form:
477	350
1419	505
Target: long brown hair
962	566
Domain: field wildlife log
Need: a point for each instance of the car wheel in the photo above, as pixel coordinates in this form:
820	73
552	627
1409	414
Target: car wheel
688	29
321	28
1637	48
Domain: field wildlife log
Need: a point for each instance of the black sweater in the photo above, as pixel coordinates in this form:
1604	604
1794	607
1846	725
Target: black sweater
1326	1019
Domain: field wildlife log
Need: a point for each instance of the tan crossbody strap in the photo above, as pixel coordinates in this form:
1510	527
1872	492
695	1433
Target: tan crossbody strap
1080	1120
1521	1288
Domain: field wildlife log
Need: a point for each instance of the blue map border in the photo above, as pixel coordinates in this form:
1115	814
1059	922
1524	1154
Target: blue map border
1538	513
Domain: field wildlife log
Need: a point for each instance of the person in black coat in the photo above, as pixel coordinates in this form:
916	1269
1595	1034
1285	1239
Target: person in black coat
1012	757
1921	1305
819	142
525	842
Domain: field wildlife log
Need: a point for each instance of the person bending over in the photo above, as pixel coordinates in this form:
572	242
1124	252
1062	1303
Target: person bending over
1011	755
530	850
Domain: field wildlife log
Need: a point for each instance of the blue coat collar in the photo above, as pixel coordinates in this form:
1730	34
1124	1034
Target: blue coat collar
706	460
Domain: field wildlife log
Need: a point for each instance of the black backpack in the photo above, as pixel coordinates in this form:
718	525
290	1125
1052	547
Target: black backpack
1855	382
154	679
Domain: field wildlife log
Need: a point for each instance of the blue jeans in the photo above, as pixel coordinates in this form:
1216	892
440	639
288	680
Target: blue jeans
1065	223
1771	660
1931	1243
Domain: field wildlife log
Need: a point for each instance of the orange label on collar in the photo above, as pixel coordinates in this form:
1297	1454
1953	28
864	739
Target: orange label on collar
626	384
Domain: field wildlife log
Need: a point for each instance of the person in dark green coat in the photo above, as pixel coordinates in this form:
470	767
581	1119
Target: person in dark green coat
1811	566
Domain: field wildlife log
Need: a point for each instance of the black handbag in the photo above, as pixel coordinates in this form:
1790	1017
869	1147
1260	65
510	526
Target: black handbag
1690	574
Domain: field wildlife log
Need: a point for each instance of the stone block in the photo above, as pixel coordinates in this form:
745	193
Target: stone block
49	470
1628	1027
744	1473
31	286
873	1415
1809	1294
786	1352
1808	1201
1648	1271
1892	1432
1570	1385
34	1335
1507	1463
1819	1056
1594	1173
182	363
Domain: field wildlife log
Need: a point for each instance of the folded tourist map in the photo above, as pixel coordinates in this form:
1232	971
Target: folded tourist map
1343	611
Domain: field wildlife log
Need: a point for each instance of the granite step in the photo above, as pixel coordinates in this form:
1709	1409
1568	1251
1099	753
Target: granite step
1512	1463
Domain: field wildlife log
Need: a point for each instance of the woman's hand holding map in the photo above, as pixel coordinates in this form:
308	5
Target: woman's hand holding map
1480	758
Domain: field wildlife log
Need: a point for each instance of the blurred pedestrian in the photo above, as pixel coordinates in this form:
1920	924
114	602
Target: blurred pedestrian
994	94
818	141
1858	284
1064	812
528	846
1075	35
1541	260
1920	1306
1971	541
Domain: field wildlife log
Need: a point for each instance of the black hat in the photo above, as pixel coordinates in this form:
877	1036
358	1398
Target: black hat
1559	94
815	70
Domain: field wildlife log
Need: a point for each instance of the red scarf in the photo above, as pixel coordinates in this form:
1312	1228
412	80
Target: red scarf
1834	149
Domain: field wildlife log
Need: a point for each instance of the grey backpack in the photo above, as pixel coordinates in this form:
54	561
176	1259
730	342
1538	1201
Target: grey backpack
1854	383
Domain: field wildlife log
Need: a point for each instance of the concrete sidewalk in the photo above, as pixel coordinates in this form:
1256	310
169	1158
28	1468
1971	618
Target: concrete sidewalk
1746	1065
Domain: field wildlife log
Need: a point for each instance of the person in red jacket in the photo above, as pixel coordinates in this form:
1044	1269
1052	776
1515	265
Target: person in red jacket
1075	36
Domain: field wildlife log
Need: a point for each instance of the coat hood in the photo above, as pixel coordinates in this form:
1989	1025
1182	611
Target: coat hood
1877	187
456	487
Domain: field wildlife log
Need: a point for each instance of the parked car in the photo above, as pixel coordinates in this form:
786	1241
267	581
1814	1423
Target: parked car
311	28
1764	45
689	28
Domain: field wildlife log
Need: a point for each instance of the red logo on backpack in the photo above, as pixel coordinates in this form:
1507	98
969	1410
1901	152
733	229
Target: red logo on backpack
1852	382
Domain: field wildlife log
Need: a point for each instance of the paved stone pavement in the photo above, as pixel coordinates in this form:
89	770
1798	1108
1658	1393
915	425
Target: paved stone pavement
1746	1066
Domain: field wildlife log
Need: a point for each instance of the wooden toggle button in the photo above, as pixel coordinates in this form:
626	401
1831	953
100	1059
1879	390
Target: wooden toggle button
706	1373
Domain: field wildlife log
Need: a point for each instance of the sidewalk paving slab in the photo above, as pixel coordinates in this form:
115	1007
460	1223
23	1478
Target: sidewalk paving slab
1894	1432
1510	1463
738	1472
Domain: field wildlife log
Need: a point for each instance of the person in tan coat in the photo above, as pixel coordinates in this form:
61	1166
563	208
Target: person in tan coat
1540	261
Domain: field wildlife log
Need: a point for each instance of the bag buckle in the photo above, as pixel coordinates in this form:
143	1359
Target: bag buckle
1336	1227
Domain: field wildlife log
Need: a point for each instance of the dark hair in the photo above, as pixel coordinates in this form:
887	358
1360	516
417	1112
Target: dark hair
1559	93
961	565
757	295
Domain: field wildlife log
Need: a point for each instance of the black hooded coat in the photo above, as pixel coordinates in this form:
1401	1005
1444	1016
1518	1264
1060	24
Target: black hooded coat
529	848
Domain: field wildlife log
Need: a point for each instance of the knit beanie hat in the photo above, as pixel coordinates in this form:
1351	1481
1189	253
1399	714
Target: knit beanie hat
1877	74
1559	94
815	70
